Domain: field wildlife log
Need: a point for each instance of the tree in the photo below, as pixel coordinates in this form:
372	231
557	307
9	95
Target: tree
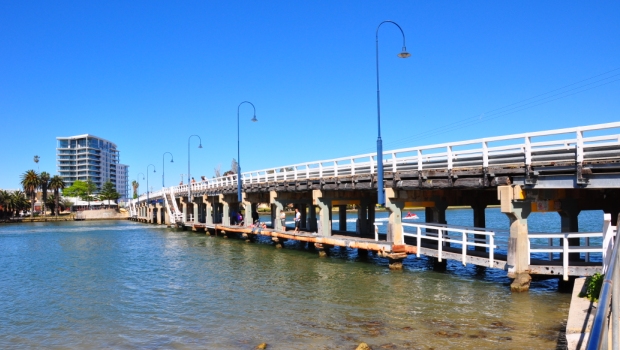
51	204
57	184
77	189
18	202
5	199
90	188
30	183
135	184
108	192
44	178
233	166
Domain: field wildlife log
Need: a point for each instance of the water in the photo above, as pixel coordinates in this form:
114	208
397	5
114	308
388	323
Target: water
124	285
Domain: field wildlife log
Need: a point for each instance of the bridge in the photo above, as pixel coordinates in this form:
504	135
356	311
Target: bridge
564	171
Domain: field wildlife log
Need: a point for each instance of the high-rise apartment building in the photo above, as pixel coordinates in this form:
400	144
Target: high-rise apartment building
88	157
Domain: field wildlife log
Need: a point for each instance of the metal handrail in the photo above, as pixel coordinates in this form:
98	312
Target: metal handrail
524	149
608	299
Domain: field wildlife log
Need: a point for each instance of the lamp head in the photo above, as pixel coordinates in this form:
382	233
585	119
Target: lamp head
200	145
254	118
171	160
404	54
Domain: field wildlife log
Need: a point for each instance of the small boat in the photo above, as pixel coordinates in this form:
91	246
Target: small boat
411	216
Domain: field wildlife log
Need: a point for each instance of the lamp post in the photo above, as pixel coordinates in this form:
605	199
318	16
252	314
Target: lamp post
403	54
147	182
163	168
238	150
189	184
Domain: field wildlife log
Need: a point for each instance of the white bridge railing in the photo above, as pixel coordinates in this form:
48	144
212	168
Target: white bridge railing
602	245
462	235
570	145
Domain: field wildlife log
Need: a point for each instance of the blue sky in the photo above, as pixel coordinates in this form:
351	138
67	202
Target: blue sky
147	74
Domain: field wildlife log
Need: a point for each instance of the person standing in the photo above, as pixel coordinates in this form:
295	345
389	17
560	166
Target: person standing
297	220
283	220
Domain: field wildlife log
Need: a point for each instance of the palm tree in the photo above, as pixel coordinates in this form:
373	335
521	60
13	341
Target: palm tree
5	198
57	184
135	186
30	183
17	202
45	181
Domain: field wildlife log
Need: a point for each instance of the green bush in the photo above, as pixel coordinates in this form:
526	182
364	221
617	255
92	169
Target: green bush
594	284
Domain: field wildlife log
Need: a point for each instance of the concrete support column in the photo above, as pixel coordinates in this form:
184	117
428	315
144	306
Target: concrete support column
247	211
514	205
196	201
395	225
480	221
342	217
225	211
276	208
208	210
569	220
166	217
185	209
324	226
312	218
159	208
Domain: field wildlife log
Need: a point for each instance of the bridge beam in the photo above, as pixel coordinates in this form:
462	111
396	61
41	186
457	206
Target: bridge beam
517	208
324	226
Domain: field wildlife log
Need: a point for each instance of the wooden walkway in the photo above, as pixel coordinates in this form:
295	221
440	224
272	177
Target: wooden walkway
389	250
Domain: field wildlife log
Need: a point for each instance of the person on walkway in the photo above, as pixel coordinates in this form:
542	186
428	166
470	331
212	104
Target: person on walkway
283	220
193	181
297	220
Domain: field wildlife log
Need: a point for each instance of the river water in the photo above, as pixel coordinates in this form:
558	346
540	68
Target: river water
125	285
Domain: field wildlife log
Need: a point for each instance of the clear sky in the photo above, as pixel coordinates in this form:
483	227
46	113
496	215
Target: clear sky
148	74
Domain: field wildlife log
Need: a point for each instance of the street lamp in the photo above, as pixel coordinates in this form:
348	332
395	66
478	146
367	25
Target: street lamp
147	182
403	54
238	152
189	184
162	166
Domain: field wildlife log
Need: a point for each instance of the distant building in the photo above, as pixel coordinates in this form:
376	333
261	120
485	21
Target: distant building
88	157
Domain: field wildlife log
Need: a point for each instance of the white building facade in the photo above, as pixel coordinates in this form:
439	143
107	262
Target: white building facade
88	157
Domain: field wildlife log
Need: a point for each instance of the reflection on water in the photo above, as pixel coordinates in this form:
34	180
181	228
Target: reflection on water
92	285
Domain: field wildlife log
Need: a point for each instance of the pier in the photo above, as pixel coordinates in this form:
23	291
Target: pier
565	171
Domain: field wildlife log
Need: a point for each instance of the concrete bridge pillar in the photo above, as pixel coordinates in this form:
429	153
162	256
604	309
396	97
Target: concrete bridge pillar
362	219
276	208
159	212
342	217
196	206
569	221
480	221
184	209
225	211
395	223
324	225
517	208
208	210
245	207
